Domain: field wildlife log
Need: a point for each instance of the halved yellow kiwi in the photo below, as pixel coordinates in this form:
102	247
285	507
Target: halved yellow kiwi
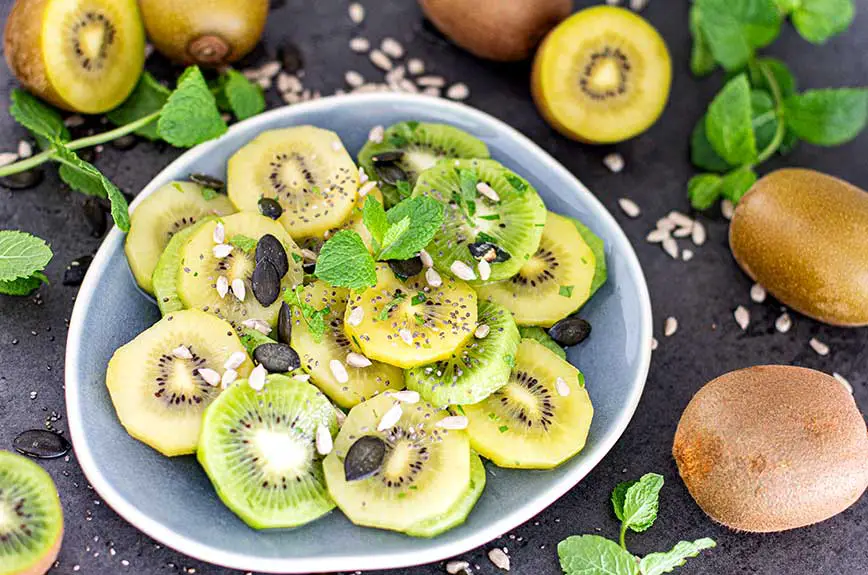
602	75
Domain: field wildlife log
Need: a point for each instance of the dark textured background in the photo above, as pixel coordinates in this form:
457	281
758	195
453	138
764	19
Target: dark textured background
701	294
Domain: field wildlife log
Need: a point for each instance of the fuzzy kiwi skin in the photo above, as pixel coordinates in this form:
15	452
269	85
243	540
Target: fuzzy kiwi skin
494	29
771	448
802	235
232	28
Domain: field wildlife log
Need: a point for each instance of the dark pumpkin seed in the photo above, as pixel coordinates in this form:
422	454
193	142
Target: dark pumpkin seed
270	208
387	157
41	444
284	323
308	267
406	268
277	357
265	282
364	458
73	275
126	142
270	249
22	180
390	173
479	249
96	217
208	181
290	57
571	330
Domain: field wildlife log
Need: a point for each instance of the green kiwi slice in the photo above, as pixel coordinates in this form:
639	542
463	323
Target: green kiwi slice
165	278
262	451
409	148
31	519
477	368
422	472
459	512
540	335
168	210
500	228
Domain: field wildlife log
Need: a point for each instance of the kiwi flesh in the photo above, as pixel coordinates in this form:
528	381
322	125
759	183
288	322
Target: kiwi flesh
158	393
410	323
80	55
259	449
538	334
31	519
355	222
511	225
553	283
539	419
425	469
165	277
305	169
477	368
409	148
161	215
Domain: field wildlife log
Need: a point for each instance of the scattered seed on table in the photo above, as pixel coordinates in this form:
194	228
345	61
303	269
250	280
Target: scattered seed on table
360	45
356	12
687	255
395	76
7	158
783	323
615	162
499	558
742	317
638	5
431	81
679	219
629	207
818	346
408	86
432	92
698	234
670	246
376	134
73	121
288	83
380	60
264	83
727	209
415	66
757	293
843	381
458	567
656	236
681	232
25	150
353	78
670	327
269	69
654	344
291	97
392	47
458	91
613	2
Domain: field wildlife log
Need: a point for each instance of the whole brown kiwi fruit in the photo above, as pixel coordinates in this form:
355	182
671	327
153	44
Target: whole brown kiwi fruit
503	30
204	32
803	235
771	448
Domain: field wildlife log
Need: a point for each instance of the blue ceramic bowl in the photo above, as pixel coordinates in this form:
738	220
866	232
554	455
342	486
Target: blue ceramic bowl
172	500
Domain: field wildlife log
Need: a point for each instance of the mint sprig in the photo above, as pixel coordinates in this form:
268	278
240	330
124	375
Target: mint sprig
313	317
23	257
344	261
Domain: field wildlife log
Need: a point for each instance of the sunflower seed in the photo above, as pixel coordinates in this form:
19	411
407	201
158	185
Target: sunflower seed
458	567
308	254
698	234
366	188
7	158
431	81
264	83
757	293
727	209
656	236
357	360
210	376
654	344
269	69
482	330
25	150
73	121
235	360
406	396
324	442
687	255
613	2
499	558
484	268
666	224
452	422
487	191
435	92
406	335
357	314
458	91
356	12
229	377
426	259
433	278
380	60
392	47
408	86
390	418
363	177
638	5
219	233
462	270
562	387
395	76
670	246
257	378
615	162
222	286
291	98
670	327
783	323
742	317
220	251
182	352
818	346
629	207
679	219
257	324
238	289
288	83
339	371
301	377
376	134
416	66
682	232
354	79
843	381
360	45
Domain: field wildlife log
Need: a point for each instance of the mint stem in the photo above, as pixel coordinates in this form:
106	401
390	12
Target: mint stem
42	157
621	538
780	129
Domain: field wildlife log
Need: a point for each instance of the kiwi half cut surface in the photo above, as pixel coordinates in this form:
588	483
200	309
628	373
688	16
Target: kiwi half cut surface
602	76
345	383
80	55
410	323
553	283
31	519
410	148
168	210
504	229
539	419
162	381
260	450
305	169
422	470
475	369
201	269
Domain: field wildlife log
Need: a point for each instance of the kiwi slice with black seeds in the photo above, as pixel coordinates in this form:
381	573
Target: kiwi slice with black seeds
423	474
354	222
409	148
509	216
539	419
477	368
31	519
262	451
162	381
165	277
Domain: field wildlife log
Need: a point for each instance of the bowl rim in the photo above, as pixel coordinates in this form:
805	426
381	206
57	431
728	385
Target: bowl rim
247	562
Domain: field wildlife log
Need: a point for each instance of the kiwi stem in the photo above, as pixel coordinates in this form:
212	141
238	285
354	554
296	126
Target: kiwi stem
42	157
780	129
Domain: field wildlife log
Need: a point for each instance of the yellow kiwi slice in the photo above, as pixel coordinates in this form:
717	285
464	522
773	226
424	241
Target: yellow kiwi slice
160	216
81	55
553	283
602	76
354	223
411	323
201	269
539	419
162	381
334	362
406	470
306	169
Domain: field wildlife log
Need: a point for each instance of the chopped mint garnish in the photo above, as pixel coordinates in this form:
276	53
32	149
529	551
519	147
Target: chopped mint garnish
243	243
344	261
387	309
566	291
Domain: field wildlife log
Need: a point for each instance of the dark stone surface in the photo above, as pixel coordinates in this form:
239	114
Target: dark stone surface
701	294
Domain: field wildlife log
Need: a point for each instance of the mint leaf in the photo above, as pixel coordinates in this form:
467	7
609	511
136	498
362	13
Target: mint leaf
81	181
426	217
36	116
734	29
595	555
23	286
736	184
704	190
702	60
245	98
702	154
787	6
403	187
763	117
374	217
728	125
147	97
618	496
21	255
119	207
467	180
566	291
818	20
827	117
190	115
244	243
393	234
658	563
314	318
641	501
251	339
778	70
344	261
